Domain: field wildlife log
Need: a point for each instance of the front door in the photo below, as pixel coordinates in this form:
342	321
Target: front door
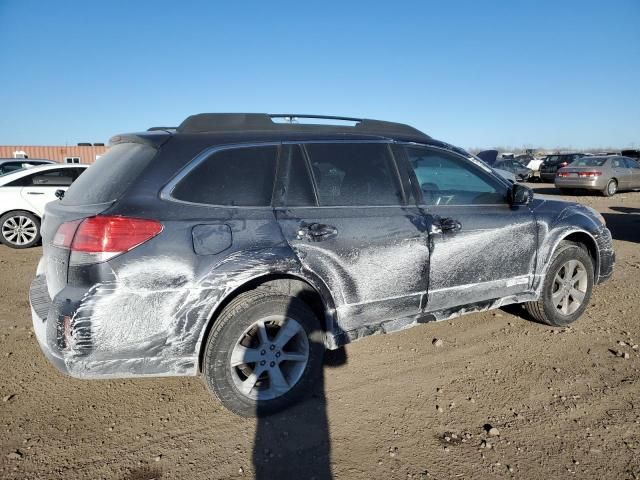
482	248
346	216
40	188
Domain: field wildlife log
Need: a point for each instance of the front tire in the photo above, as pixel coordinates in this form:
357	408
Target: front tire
567	287
263	354
19	229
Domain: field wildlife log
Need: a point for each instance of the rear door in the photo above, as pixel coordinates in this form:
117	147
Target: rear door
622	173
481	248
40	188
634	168
346	215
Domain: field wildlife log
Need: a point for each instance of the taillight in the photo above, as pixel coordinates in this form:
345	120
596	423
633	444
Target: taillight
593	174
563	174
97	239
564	164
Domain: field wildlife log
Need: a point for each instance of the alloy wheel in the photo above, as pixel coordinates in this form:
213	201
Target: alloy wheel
570	287
269	357
19	230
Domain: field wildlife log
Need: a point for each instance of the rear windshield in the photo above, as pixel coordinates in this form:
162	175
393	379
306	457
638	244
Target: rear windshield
589	162
111	175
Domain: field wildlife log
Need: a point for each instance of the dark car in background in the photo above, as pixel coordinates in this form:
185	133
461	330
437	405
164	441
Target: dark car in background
238	248
552	163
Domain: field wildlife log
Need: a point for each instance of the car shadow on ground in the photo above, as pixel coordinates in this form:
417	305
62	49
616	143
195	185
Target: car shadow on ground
296	442
625	225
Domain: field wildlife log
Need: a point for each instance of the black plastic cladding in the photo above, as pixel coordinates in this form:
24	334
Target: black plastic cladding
173	292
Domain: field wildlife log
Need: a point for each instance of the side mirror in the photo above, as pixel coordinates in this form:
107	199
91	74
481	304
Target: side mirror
60	194
520	195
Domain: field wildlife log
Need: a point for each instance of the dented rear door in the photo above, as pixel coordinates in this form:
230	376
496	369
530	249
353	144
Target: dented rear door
354	231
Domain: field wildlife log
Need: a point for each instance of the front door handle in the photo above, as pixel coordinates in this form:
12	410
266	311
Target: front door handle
446	225
35	193
316	232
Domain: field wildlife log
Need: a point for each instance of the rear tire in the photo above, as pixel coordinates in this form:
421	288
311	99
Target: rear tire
249	363
567	287
19	229
611	188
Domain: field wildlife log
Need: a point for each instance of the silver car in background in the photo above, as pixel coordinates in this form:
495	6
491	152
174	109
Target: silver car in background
607	174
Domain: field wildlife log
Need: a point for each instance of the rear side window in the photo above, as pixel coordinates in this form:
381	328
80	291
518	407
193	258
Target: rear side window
111	175
51	178
352	174
233	177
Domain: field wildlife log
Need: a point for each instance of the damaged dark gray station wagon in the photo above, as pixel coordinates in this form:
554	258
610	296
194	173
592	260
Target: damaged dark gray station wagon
239	247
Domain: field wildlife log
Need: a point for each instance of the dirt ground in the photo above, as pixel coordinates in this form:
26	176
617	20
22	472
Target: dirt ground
565	402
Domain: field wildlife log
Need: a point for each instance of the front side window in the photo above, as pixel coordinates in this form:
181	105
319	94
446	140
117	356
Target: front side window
231	177
446	179
354	174
631	163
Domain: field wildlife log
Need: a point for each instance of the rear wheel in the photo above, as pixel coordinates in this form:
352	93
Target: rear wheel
611	188
19	229
567	287
263	354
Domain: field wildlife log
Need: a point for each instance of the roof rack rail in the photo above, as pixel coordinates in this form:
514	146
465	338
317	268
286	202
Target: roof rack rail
230	122
157	129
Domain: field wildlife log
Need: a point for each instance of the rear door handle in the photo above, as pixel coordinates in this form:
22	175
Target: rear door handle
316	232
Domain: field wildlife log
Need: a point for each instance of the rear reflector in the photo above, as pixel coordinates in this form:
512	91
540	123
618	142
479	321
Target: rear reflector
96	239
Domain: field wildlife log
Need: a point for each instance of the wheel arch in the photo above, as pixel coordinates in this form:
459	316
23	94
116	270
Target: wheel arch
311	291
581	237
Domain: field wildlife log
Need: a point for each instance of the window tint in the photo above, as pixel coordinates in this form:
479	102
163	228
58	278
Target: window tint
297	185
108	178
631	163
50	178
446	179
589	162
617	163
234	177
348	174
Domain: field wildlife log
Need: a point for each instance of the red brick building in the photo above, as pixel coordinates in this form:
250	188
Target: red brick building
63	154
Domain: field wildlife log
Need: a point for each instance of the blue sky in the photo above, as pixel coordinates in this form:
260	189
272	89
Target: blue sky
474	73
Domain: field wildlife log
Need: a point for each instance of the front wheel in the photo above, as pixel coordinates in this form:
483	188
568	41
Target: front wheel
19	229
567	287
263	354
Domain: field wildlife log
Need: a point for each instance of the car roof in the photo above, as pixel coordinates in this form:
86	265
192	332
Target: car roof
9	177
24	160
231	128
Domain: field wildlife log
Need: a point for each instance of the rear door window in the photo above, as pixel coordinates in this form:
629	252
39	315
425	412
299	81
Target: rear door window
354	174
111	175
50	178
231	177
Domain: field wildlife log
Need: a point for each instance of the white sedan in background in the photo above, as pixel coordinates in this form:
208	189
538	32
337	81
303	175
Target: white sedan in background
23	195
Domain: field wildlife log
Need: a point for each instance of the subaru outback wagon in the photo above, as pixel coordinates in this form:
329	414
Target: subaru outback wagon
240	246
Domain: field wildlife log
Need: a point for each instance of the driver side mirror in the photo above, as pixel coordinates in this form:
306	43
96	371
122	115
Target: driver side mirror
520	195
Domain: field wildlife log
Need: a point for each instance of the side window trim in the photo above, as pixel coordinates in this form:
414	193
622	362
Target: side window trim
166	193
283	176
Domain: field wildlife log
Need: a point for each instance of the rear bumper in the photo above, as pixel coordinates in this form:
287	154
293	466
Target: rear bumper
584	183
547	177
72	340
40	306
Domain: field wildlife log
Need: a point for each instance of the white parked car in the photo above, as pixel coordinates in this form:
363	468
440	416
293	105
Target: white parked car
23	195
